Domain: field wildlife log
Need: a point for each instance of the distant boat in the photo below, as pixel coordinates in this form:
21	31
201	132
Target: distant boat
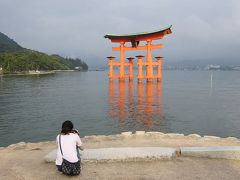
237	68
96	70
100	70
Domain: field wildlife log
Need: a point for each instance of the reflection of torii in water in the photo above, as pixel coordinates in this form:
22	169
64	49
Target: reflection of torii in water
135	40
143	107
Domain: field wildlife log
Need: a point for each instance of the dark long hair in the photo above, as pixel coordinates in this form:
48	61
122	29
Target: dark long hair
67	127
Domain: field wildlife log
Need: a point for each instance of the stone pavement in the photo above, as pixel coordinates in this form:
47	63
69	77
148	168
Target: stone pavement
219	152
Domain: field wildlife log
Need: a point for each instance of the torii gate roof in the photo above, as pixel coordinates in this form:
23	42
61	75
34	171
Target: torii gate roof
136	37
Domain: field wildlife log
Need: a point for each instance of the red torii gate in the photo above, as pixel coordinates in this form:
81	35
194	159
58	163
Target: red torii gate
135	40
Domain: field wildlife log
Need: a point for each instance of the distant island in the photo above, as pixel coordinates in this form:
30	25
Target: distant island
15	59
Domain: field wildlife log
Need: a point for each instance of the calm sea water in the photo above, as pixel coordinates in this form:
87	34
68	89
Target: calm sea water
32	108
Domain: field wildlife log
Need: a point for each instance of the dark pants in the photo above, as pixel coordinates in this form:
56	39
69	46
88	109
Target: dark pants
78	153
59	168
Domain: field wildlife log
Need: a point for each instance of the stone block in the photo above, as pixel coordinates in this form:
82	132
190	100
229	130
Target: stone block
155	133
194	135
232	138
140	133
20	145
211	137
175	135
220	152
128	153
126	133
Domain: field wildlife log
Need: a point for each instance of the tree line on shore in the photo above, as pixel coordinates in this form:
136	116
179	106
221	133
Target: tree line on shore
14	58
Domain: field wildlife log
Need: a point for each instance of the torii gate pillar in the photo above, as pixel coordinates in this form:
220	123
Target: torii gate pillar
159	68
121	67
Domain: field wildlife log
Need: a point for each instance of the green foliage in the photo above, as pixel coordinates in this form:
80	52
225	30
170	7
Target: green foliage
14	58
72	63
28	60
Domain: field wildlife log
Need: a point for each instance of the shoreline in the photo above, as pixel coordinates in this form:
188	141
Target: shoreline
26	73
26	160
130	134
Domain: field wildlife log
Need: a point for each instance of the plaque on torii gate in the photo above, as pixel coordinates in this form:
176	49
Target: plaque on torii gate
135	40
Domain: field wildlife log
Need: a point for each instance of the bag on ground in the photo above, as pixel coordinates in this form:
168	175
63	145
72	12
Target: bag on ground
71	169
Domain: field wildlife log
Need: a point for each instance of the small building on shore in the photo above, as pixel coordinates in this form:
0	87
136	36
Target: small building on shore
236	68
78	68
212	67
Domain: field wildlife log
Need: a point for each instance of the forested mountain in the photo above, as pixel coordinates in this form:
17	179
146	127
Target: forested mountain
8	45
14	58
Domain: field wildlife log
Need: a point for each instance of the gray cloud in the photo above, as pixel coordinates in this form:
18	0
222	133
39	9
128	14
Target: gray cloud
201	29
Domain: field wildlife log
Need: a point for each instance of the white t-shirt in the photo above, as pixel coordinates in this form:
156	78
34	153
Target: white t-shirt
68	144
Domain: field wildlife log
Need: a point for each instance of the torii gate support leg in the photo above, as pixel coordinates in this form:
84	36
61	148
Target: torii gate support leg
121	67
159	68
149	68
140	64
110	64
130	65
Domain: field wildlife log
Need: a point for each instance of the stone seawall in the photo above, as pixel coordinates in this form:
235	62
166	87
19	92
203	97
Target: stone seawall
143	138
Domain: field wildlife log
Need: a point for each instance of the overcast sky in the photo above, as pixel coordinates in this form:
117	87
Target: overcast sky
202	29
